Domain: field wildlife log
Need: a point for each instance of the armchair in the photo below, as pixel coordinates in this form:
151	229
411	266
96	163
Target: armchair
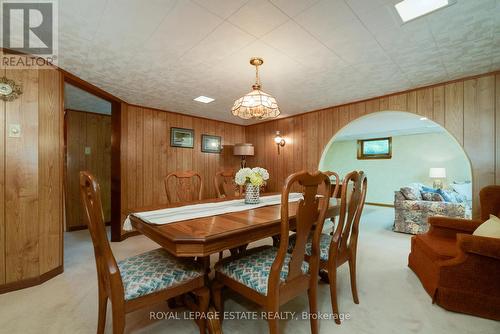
461	271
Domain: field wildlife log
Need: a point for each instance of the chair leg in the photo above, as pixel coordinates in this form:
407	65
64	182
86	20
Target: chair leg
332	277
272	319
118	319
203	295
217	296
103	304
313	307
352	271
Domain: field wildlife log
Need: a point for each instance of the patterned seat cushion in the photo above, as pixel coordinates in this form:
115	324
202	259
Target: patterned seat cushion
253	269
153	271
324	245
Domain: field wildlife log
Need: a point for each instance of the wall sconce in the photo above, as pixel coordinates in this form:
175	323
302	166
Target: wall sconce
279	140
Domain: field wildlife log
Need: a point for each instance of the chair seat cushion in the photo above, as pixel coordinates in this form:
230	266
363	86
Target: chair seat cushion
155	270
324	245
252	270
437	248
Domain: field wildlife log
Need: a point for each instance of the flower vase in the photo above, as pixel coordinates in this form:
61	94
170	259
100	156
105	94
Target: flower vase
252	194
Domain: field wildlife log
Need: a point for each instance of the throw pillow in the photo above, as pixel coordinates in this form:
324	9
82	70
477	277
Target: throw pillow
429	189
434	197
411	194
490	228
446	195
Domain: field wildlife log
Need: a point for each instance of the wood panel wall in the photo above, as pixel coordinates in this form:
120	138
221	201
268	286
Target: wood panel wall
86	129
31	178
466	108
147	157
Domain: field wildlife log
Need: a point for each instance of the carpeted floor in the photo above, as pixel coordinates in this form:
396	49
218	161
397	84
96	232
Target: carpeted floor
391	297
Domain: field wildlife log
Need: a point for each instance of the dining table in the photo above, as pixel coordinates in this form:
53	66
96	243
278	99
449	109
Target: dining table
212	234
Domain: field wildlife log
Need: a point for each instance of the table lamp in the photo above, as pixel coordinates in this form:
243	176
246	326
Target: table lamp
243	150
437	174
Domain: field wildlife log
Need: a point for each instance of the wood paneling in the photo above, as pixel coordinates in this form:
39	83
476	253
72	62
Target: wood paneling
21	181
50	133
454	110
497	129
91	130
147	157
2	189
31	180
467	113
479	131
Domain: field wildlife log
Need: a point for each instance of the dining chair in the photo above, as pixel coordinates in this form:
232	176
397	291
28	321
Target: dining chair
341	246
183	186
140	280
270	276
225	185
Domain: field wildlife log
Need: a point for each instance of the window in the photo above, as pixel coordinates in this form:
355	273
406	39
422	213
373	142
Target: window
376	148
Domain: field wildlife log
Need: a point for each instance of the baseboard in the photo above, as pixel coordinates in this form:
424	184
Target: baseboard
29	282
380	204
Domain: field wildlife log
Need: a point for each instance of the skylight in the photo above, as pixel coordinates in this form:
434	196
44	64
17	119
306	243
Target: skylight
412	9
204	99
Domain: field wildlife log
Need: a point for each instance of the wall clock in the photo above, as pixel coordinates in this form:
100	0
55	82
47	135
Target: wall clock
9	90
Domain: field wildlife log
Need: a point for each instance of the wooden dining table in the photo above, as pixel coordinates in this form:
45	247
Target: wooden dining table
201	237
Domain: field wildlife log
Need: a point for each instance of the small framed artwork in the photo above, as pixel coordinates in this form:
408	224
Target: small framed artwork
180	137
211	144
376	148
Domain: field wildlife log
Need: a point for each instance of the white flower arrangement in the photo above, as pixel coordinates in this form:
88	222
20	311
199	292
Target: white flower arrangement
256	176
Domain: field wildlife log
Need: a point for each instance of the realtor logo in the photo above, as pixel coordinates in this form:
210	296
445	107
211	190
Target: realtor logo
30	27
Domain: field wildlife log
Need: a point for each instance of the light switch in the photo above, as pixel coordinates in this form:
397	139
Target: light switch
88	150
14	130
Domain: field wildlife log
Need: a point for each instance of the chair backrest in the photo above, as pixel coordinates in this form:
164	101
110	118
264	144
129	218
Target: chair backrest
183	186
490	201
335	187
310	216
225	186
352	201
108	273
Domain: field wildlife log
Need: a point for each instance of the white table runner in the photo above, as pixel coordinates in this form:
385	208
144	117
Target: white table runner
187	212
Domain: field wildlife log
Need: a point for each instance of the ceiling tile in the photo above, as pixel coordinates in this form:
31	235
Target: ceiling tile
311	53
292	8
222	42
120	26
258	17
221	8
324	17
186	25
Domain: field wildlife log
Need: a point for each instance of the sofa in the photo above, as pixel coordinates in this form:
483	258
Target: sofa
461	271
411	211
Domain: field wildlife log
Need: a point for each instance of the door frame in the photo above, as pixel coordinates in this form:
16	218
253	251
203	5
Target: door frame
116	109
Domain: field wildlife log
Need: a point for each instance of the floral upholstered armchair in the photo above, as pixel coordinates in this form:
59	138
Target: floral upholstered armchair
412	210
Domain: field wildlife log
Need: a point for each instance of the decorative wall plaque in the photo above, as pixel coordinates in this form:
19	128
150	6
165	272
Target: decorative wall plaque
9	90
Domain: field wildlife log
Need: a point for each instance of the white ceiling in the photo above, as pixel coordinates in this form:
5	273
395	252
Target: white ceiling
78	99
387	124
164	53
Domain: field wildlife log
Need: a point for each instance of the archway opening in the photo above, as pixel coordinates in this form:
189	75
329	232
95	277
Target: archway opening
399	150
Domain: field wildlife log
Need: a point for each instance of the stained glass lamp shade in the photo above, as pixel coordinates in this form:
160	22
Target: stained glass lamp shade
256	104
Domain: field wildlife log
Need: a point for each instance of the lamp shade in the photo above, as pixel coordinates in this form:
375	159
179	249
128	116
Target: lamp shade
243	149
437	173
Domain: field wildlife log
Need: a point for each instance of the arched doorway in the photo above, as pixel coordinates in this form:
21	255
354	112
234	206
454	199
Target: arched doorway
420	153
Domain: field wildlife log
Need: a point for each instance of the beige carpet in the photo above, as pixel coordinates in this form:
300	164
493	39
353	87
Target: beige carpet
391	297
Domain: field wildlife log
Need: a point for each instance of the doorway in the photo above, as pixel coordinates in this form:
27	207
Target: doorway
87	147
88	130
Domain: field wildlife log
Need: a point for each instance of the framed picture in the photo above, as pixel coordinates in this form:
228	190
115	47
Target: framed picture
376	148
180	137
211	144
